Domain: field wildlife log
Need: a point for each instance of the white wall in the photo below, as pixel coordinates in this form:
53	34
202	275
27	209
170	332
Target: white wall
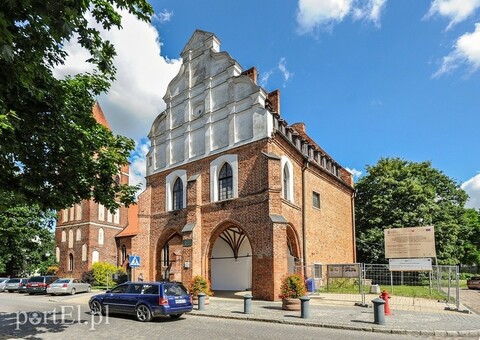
228	273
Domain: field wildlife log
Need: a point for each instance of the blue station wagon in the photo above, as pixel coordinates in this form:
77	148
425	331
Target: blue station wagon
145	300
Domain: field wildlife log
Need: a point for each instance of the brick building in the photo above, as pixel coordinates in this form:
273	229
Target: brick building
87	232
233	192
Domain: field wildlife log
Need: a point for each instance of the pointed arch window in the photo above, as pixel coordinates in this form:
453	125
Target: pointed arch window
225	182
70	262
100	236
286	180
178	194
124	254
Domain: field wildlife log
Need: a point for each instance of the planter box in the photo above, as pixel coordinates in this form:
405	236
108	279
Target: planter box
291	304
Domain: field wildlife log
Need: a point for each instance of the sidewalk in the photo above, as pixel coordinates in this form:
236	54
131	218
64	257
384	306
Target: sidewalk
416	317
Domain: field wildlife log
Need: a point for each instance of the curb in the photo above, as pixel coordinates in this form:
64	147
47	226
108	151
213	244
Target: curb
460	333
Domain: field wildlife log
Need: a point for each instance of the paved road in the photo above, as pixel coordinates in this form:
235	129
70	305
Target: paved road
471	299
65	317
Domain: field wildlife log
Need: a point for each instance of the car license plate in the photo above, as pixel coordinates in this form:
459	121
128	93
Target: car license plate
180	301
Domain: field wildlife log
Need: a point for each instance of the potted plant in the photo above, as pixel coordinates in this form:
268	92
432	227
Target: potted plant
200	285
292	288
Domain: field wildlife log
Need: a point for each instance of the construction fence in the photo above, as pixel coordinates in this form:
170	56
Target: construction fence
360	282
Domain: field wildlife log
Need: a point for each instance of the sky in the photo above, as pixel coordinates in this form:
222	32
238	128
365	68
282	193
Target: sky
369	78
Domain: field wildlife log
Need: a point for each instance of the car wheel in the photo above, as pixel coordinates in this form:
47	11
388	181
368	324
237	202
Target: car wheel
175	316
143	313
96	308
30	293
73	291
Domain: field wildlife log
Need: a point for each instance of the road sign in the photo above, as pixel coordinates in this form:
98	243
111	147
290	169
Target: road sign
134	261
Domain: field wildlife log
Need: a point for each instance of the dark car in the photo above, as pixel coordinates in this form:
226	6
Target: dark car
38	284
13	285
473	282
145	300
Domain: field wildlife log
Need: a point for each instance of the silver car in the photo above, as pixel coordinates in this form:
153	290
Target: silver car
3	281
68	286
14	284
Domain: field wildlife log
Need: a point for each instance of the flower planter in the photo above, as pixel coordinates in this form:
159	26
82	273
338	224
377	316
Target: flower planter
195	300
291	304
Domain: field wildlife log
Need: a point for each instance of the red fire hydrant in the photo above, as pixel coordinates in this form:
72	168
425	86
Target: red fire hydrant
385	297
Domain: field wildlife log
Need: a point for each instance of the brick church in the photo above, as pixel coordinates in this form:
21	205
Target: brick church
233	192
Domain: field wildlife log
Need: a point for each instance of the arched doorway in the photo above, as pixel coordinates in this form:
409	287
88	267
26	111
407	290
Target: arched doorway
231	261
293	254
169	258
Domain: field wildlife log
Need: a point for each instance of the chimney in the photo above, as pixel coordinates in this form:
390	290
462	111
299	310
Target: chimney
274	98
252	74
300	127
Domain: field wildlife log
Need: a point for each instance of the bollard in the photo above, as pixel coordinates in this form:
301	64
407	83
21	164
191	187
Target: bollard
247	304
201	301
305	307
379	311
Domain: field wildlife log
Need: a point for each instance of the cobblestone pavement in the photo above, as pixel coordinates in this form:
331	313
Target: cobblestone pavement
423	317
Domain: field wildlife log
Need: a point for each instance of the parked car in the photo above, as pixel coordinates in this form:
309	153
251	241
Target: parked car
68	286
145	300
473	282
22	286
38	284
3	281
12	285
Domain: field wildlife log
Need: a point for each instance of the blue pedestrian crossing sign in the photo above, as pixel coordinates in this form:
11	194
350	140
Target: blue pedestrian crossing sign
134	261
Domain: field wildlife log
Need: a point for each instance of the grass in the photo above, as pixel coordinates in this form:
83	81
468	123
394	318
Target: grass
348	286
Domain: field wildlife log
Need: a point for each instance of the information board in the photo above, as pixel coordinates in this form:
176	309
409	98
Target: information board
417	242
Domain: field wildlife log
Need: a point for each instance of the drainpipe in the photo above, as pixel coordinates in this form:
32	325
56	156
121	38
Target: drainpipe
354	194
304	236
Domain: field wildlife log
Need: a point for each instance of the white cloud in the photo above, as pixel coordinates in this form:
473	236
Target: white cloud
323	14
138	163
472	187
164	16
370	11
455	10
282	68
466	51
135	98
356	173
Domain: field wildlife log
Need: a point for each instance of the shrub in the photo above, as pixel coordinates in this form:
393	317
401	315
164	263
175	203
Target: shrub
293	286
88	277
52	270
102	273
199	285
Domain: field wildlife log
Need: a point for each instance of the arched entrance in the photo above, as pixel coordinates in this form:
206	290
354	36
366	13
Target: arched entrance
293	255
231	261
169	258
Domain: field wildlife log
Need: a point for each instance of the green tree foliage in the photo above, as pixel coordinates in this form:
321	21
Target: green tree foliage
471	234
102	273
52	152
26	240
396	193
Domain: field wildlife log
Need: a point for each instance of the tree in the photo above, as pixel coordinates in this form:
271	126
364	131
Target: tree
395	194
52	151
26	240
471	234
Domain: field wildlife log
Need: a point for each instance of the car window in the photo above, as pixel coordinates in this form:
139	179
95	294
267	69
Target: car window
52	278
119	289
62	281
150	289
13	281
135	288
175	290
36	279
